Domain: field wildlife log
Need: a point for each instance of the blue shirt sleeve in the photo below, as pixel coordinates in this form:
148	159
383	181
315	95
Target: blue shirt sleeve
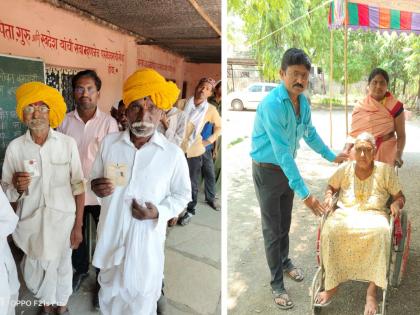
281	147
314	141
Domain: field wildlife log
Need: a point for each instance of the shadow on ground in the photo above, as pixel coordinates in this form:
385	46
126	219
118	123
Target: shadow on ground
248	274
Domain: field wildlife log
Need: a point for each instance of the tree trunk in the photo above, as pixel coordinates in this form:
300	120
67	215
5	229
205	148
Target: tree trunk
394	85
324	88
404	86
418	96
418	89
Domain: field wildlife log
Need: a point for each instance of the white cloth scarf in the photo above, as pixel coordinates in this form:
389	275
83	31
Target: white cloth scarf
195	115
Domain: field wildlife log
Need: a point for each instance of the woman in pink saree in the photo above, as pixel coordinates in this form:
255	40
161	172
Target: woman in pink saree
380	114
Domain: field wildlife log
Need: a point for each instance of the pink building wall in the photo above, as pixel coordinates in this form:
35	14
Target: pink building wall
171	66
114	55
193	72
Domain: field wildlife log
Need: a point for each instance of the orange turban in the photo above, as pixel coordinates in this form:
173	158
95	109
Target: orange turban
32	92
148	82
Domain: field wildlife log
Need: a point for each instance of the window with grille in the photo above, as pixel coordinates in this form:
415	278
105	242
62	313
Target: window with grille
60	78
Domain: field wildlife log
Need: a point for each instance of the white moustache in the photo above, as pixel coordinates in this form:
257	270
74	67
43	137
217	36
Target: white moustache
142	124
36	124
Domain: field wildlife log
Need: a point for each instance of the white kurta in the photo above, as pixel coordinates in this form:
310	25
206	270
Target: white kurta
9	283
130	252
195	115
176	129
46	211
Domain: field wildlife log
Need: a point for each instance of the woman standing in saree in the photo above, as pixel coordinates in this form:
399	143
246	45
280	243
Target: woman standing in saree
380	114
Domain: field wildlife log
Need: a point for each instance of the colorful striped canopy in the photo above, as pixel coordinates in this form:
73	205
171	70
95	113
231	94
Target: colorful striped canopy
377	15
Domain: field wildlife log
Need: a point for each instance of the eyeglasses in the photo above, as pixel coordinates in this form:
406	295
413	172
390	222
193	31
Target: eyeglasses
30	109
81	90
365	150
295	75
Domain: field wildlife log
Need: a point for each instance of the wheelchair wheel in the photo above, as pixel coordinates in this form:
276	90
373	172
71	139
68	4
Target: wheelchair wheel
317	286
400	254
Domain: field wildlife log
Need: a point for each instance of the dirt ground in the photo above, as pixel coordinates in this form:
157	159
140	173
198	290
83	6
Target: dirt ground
248	275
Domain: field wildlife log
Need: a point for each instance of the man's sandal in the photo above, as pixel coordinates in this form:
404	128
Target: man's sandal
295	273
284	297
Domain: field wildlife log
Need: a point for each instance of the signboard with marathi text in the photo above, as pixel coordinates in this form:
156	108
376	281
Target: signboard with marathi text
13	72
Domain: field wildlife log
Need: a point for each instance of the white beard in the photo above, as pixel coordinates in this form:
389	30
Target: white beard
37	124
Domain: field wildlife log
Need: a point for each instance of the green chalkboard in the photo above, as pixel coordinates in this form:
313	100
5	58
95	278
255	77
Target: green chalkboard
13	72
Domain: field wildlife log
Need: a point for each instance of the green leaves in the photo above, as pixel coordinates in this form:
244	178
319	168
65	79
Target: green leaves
399	55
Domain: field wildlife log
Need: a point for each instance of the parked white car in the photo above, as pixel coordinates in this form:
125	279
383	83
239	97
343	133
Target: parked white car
251	96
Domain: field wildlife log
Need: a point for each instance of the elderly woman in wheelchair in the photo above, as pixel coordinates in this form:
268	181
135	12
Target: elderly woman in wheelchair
355	239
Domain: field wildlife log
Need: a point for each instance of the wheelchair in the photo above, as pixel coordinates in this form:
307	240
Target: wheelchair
399	250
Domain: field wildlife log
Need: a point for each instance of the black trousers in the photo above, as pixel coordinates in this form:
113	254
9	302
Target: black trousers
207	171
80	256
194	166
276	202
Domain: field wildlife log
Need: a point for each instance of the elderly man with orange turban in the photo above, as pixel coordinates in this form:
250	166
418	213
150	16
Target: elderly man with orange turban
143	181
43	174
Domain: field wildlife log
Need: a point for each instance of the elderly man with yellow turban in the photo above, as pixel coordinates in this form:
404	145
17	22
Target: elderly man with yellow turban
43	174
143	181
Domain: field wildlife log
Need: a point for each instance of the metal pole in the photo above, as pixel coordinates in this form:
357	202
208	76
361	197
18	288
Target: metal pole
345	66
331	80
233	77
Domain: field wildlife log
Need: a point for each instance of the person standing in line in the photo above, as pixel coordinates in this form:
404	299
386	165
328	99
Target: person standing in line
43	174
172	125
88	125
143	181
198	112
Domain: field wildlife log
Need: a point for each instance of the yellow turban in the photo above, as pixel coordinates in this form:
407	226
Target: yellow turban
32	92
148	82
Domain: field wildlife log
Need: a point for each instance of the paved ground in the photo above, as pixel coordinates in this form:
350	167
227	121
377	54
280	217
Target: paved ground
248	274
192	270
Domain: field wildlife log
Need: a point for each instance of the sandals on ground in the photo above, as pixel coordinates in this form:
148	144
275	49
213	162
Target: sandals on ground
295	273
288	304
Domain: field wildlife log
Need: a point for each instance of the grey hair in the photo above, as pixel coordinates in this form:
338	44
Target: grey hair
366	137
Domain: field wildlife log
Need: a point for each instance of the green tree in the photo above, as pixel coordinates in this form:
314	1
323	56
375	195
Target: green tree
264	17
365	50
412	67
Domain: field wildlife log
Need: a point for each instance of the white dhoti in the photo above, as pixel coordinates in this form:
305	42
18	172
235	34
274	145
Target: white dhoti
8	303
9	283
113	296
134	286
50	281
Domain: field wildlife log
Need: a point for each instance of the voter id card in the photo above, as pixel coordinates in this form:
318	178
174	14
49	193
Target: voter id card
117	173
31	166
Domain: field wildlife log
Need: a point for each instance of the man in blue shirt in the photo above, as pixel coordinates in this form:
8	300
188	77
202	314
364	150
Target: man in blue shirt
281	120
207	169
